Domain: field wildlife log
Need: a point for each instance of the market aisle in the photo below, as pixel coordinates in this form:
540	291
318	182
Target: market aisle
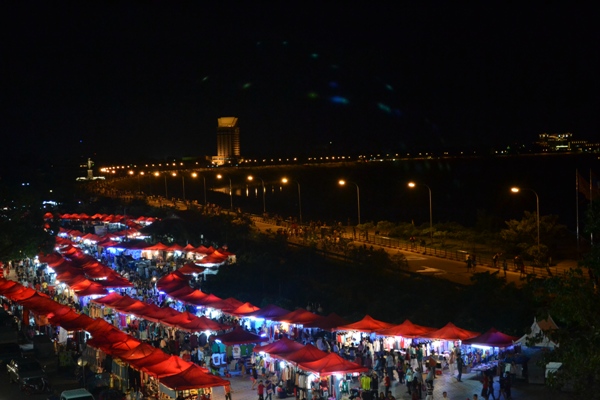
241	387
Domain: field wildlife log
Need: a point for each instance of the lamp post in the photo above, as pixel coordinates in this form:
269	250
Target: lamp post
230	191
182	184
157	174
194	175
342	183
250	178
142	173
412	185
286	180
82	363
537	210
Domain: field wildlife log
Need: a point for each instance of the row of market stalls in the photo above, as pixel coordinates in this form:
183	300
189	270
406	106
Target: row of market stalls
176	286
166	373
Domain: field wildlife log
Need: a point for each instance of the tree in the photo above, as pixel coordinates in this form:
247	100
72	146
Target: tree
520	237
22	232
573	301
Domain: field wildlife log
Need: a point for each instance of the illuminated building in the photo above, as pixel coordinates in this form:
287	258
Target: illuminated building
228	141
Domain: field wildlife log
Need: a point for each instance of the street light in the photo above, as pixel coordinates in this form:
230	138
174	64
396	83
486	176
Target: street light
537	210
182	183
250	178
286	180
194	175
412	185
230	191
157	174
342	183
82	363
142	173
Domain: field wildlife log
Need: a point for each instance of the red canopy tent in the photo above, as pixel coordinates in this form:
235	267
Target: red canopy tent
158	246
492	338
156	314
191	269
451	332
327	323
172	281
154	358
331	364
76	324
180	318
7	284
281	346
367	324
123	303
244	309
140	351
203	301
19	293
115	280
41	304
189	248
50	259
109	299
175	247
99	326
58	319
87	287
193	298
128	344
225	305
171	366
305	354
268	312
184	291
238	336
298	317
406	329
194	377
110	338
203	324
59	312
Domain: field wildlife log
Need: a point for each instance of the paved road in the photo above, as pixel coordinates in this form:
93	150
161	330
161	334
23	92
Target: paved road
422	262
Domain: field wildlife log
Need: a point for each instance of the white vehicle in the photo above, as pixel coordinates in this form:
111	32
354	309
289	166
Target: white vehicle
76	394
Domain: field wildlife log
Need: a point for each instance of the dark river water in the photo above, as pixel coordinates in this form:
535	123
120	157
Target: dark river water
461	189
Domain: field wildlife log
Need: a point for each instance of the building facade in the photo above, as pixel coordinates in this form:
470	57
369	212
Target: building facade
228	141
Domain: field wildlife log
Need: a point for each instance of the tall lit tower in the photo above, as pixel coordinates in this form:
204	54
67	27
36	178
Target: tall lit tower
228	141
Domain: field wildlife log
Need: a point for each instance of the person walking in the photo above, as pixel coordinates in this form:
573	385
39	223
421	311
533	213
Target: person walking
409	378
390	364
387	383
260	390
459	365
429	390
418	378
254	377
269	389
452	363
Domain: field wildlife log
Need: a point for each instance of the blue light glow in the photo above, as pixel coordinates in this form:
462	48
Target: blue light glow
384	107
339	100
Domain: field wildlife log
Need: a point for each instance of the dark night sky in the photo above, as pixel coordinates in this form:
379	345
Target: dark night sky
114	78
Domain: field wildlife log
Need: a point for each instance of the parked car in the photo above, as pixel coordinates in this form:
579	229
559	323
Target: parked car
76	394
24	370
